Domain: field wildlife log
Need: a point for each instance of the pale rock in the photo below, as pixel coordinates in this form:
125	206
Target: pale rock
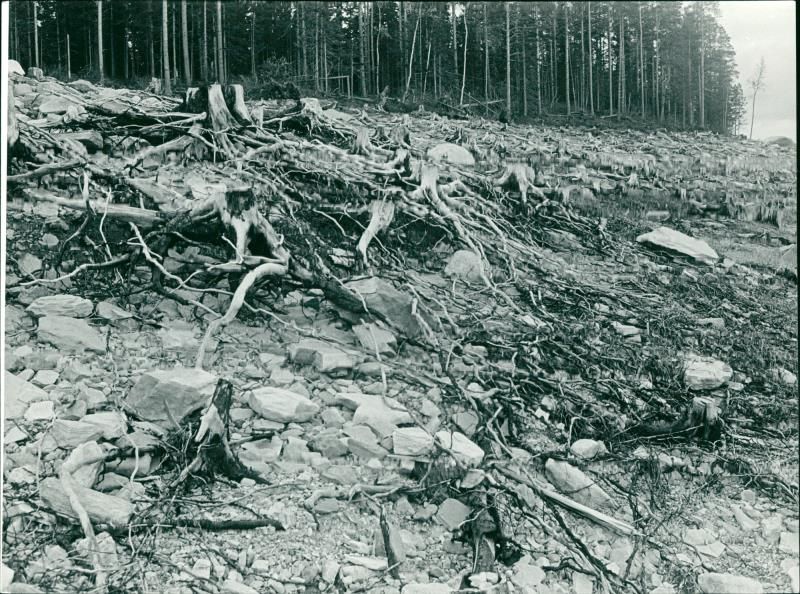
14	435
380	417
711	322
384	300
430	588
160	396
463	449
697	536
330	569
714	549
452	513
281	377
527	576
88	460
411	441
71	434
465	265
326	505
575	484
332	417
40	411
70	334
784	376
258	454
324	357
675	241
625	330
705	373
371	563
230	586
58	105
112	425
374	338
790	543
587	449
582	583
726	583
745	522
295	449
45	377
329	446
340	473
472	479
451	153
29	264
283	406
792	569
70	306
113	313
14	67
366	450
202	569
467	421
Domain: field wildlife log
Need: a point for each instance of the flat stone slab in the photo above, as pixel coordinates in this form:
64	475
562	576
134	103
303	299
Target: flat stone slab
70	306
675	241
171	394
70	334
18	395
283	406
706	373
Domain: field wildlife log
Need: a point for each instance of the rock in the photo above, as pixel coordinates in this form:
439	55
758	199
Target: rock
35	73
575	484
711	322
452	513
6	573
725	583
162	395
332	417
58	105
430	588
71	434
705	373
790	543
40	411
14	67
87	458
108	311
84	86
340	473
748	496
625	330
112	424
385	301
29	264
465	265
451	153
378	415
70	334
412	441
582	583
465	451
45	377
372	337
366	450
329	446
586	449
257	454
675	241
784	376
326	505
231	587
283	406
324	357
70	306
330	569
745	522
18	395
467	421
657	215
527	576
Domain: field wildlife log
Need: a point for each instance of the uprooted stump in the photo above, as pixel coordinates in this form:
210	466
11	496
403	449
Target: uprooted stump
213	454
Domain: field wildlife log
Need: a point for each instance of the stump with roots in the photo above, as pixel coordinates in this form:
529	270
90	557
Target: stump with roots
225	111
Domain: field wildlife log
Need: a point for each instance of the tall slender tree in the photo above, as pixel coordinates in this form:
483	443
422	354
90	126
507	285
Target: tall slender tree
187	63
591	96
165	47
508	60
100	40
756	84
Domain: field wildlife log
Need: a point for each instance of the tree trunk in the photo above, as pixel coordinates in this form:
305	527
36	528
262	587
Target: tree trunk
610	72
36	33
204	49
316	49
187	64
566	53
508	61
165	47
523	38
126	55
100	40
455	40
401	17
583	66
485	55
591	96
362	47
622	102
220	51
464	66
174	43
702	67
411	58
641	61
538	61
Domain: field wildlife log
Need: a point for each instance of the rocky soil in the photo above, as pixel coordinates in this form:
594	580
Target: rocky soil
341	418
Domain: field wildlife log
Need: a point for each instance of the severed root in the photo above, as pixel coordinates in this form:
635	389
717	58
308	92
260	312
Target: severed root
382	216
523	175
700	420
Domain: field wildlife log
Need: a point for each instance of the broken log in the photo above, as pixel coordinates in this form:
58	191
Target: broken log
102	509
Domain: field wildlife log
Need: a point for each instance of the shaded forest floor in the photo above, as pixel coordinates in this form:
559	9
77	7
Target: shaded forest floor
564	402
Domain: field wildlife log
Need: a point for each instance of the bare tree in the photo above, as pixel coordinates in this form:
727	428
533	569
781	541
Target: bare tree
36	32
508	60
757	83
187	74
220	50
204	63
591	97
100	39
165	47
464	69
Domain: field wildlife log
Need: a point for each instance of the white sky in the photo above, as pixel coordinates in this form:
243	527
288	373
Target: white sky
756	29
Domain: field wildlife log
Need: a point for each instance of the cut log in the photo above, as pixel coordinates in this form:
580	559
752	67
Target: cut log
102	509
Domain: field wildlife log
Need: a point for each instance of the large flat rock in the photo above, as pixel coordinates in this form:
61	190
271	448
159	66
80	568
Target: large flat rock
675	241
70	306
171	394
18	394
283	406
70	334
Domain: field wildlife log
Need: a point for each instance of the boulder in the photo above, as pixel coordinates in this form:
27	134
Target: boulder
374	338
70	306
91	139
385	301
587	449
412	441
56	105
163	395
451	153
575	484
378	415
452	513
35	73
71	434
111	424
18	395
705	373
70	334
465	265
726	583
14	67
84	86
87	459
283	406
465	451
325	357
678	242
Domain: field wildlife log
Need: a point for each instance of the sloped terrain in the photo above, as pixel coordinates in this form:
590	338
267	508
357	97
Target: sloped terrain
519	358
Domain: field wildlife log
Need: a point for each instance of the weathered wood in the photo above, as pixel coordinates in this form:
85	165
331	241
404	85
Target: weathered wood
102	509
12	133
127	214
45	170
